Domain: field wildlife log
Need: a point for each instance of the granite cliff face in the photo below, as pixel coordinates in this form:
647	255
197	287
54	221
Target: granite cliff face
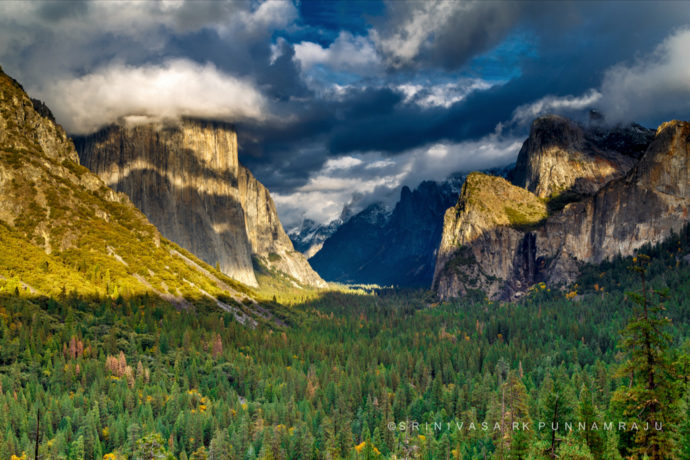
63	230
187	179
184	179
481	234
268	240
483	249
562	157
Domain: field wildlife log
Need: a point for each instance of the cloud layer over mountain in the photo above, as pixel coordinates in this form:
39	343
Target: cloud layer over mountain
335	100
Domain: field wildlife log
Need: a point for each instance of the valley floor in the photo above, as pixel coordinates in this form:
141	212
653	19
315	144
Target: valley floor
390	374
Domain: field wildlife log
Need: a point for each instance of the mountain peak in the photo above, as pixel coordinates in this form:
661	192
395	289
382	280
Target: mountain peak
483	249
187	179
561	157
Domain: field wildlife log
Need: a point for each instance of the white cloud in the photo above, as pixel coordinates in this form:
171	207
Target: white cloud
442	32
136	18
437	151
270	15
407	41
378	164
173	89
442	94
323	197
346	162
654	86
348	53
41	41
365	177
524	114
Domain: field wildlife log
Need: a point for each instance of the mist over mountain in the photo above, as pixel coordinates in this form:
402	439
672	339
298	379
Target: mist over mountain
579	195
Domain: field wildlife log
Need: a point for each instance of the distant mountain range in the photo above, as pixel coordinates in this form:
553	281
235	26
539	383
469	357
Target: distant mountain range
309	237
380	246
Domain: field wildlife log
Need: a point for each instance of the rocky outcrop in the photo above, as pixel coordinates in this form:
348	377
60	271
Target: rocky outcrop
482	234
503	259
186	178
642	207
562	157
268	240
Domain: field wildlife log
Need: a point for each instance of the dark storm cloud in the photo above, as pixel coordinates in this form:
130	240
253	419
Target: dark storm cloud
56	11
442	33
329	81
574	51
374	120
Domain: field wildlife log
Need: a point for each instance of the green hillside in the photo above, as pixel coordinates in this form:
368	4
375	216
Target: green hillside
121	376
62	231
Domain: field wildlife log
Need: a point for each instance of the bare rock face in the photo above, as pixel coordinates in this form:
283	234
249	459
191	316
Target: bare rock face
187	179
267	238
641	207
483	234
481	249
184	179
561	157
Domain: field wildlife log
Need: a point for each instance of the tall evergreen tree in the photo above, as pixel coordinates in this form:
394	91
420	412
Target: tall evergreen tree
588	415
649	402
556	408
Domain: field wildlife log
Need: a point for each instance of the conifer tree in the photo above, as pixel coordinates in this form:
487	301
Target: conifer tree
591	435
649	402
683	448
151	447
555	411
76	450
220	447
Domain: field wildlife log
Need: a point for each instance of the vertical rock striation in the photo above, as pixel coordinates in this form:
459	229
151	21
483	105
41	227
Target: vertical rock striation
267	238
612	212
187	179
184	179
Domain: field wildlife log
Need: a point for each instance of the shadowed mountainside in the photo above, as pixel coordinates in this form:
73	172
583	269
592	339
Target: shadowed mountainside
187	179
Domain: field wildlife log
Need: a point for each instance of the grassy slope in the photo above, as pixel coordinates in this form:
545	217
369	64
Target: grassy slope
62	229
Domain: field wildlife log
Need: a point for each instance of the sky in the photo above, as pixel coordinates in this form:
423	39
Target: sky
343	102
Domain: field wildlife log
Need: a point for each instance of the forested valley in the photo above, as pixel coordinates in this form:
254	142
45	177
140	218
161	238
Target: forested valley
358	374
